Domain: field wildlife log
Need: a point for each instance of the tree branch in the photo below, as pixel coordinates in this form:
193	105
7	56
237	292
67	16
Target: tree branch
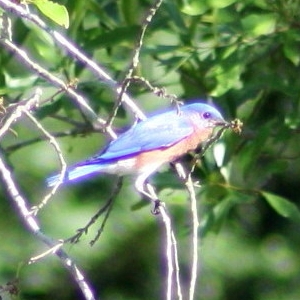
32	224
73	50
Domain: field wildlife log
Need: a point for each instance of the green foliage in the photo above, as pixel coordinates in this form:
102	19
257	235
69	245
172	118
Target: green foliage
54	11
282	206
242	54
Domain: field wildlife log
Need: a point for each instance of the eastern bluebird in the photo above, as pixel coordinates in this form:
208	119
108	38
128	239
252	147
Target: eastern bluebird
147	145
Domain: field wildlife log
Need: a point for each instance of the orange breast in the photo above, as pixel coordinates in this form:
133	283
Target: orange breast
160	156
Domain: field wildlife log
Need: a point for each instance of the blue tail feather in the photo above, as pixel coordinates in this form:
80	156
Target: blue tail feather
76	173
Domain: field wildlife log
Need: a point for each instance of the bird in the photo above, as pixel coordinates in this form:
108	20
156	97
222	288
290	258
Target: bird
161	138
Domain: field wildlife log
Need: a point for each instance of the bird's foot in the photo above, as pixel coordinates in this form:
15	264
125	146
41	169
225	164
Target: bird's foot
156	209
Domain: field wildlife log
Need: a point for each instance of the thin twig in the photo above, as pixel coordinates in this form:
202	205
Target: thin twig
32	224
169	249
135	60
25	109
160	92
21	202
61	159
49	251
41	72
73	50
177	269
195	238
186	177
29	142
17	111
104	209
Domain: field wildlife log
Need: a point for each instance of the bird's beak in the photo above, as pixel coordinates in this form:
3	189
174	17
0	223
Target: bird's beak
221	123
236	125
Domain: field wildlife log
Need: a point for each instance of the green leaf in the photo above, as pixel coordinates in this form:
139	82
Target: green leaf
220	4
291	51
130	11
245	110
256	25
54	11
48	110
117	36
194	7
228	77
282	206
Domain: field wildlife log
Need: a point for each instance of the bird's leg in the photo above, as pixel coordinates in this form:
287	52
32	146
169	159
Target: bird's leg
146	189
154	198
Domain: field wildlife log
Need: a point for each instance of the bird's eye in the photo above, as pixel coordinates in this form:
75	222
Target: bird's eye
206	115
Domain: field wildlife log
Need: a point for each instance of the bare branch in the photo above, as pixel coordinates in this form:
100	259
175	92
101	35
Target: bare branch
21	202
169	249
17	111
73	50
135	59
29	142
195	238
41	72
104	209
62	161
32	224
25	108
177	269
186	177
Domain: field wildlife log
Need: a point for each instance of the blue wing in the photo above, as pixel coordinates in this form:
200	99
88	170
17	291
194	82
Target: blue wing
156	132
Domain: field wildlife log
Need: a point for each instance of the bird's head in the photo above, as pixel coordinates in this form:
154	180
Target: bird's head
209	116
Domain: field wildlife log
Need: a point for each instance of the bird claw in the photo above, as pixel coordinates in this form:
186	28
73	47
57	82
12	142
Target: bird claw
156	209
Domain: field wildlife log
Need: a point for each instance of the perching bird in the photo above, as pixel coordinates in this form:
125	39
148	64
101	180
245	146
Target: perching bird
162	138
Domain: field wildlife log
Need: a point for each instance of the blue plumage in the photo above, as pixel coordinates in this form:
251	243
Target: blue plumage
159	131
